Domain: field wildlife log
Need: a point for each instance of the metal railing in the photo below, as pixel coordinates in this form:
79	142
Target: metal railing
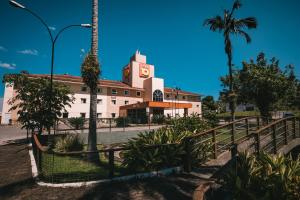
112	124
253	134
59	167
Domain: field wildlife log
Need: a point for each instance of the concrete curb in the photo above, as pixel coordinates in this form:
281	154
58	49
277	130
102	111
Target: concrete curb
88	183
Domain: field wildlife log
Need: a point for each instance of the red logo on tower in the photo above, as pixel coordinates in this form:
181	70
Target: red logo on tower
144	70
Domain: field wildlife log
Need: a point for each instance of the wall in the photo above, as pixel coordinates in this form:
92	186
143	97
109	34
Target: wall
8	94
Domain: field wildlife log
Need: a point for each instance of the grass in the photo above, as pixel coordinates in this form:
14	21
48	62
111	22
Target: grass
239	114
61	168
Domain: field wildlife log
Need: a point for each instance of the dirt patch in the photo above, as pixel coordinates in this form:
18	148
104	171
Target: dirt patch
16	183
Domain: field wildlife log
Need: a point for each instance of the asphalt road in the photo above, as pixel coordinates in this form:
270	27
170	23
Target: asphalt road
11	133
104	136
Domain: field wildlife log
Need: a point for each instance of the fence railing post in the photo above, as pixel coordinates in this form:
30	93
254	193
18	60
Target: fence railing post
188	157
214	140
274	138
294	127
247	127
285	132
109	124
232	132
257	122
111	163
123	124
257	138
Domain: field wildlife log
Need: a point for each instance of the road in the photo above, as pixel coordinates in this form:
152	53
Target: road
117	135
104	136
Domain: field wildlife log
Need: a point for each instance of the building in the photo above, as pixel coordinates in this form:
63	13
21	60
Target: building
139	94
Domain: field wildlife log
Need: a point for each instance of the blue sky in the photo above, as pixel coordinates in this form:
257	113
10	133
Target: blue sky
169	32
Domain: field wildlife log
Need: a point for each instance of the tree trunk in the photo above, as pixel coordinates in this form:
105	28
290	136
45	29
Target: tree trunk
92	137
95	29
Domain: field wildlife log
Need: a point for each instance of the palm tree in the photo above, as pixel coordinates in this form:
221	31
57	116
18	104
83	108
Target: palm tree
90	71
229	25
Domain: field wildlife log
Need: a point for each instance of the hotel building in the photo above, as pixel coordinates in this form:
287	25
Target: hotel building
139	94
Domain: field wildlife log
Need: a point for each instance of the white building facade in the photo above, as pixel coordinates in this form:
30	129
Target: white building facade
139	94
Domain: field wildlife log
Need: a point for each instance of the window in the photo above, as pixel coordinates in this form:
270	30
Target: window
157	95
114	91
168	96
65	115
82	115
83	100
99	115
99	90
114	101
83	88
126	102
99	101
138	93
126	92
113	115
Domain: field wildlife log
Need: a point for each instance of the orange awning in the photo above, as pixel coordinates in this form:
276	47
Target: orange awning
156	104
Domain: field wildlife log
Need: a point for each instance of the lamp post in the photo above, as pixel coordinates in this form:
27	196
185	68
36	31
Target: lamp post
52	38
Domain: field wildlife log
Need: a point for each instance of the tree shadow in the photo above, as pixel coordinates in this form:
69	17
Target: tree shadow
14	188
173	187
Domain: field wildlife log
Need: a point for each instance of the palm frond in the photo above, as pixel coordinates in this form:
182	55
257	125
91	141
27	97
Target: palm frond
248	22
245	35
216	23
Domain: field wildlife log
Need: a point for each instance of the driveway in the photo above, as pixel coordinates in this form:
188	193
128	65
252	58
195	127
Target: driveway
11	133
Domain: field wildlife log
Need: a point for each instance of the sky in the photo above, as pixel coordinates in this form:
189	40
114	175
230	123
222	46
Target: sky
170	32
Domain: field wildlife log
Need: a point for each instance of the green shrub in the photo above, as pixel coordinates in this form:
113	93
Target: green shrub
122	121
137	158
263	177
69	143
77	122
158	119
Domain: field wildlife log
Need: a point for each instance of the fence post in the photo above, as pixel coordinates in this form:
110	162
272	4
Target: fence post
247	127
257	121
274	138
294	127
123	124
232	132
285	132
257	142
214	144
188	157
110	125
111	163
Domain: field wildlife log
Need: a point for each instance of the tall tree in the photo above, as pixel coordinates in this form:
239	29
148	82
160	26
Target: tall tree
229	25
90	71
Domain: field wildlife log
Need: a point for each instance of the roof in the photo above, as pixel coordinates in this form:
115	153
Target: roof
107	83
78	79
182	92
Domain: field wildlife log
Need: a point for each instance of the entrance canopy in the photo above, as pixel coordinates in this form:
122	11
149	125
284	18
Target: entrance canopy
156	104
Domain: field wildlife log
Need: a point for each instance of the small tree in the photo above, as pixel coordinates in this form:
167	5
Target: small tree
32	101
209	109
264	83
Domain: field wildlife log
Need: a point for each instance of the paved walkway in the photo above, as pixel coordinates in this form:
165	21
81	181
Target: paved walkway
16	183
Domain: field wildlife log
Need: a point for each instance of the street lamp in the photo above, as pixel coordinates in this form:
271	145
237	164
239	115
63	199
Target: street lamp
53	39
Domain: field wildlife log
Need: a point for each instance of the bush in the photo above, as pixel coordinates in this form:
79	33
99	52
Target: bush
263	177
122	121
77	122
137	158
69	143
158	119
